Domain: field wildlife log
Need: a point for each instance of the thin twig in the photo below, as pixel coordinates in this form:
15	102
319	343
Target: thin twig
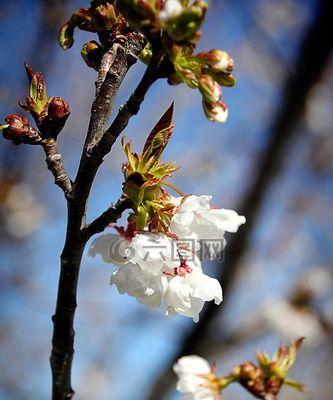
56	166
111	215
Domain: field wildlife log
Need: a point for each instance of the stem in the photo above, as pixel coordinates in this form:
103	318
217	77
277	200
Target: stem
63	333
56	166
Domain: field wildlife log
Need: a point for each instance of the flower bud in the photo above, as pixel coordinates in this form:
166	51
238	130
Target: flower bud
138	13
81	19
66	35
225	79
92	54
58	112
18	130
171	10
209	89
216	112
185	25
104	17
219	60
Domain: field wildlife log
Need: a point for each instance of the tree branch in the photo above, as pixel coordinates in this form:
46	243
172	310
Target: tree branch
126	56
128	110
56	166
111	215
123	57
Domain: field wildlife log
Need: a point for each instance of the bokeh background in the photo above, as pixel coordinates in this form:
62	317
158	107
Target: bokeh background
272	161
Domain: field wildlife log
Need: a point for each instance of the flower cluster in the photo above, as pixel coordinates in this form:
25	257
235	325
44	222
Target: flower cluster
197	380
157	255
171	30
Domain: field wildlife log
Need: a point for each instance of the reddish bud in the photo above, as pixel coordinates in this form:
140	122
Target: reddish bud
57	114
58	108
18	130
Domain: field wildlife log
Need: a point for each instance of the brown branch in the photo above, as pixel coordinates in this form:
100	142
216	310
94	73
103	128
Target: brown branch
127	55
124	56
55	165
129	109
111	215
313	57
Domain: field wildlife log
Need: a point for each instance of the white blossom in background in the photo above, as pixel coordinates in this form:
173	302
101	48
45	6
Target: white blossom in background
195	378
292	323
171	9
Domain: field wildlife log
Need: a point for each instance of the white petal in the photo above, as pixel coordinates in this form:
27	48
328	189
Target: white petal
151	251
192	364
206	288
195	203
111	247
227	220
146	288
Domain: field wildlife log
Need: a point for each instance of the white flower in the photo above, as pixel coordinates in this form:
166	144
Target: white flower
189	289
171	9
145	287
111	247
194	216
151	251
192	372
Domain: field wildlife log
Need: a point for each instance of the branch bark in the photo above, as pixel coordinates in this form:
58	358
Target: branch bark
56	166
314	55
112	214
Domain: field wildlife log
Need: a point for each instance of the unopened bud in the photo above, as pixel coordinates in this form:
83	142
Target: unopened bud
104	17
171	10
58	112
216	112
225	79
81	20
58	108
209	89
18	130
92	54
66	35
219	60
185	25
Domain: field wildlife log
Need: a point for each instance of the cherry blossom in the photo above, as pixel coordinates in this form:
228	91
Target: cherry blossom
195	378
194	216
188	290
148	289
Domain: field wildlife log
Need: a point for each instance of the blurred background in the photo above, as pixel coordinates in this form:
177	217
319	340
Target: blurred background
272	161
